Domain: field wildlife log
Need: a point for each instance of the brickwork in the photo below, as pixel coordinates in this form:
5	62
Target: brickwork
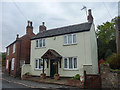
22	51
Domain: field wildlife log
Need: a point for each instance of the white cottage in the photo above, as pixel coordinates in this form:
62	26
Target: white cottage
66	51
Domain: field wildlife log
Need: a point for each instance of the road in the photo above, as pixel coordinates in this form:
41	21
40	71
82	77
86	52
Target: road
10	82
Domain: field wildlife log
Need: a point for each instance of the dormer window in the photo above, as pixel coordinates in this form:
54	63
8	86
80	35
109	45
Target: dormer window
70	39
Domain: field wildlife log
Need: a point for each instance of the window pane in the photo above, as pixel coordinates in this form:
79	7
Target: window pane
36	43
70	63
43	42
7	64
36	63
69	39
40	42
65	63
13	64
40	62
74	38
75	62
65	39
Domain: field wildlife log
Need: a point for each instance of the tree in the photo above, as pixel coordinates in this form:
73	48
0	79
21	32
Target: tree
106	39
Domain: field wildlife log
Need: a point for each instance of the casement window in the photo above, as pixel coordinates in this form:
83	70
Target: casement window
70	39
7	63
8	51
13	61
70	63
14	48
39	64
40	43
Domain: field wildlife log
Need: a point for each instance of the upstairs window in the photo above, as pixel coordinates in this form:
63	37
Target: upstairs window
40	43
8	51
70	63
14	48
70	39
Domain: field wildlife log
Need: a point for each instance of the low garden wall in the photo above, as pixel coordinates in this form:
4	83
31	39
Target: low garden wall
109	78
25	69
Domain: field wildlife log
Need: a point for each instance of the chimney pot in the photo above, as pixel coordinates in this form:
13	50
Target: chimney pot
29	28
17	36
90	17
42	27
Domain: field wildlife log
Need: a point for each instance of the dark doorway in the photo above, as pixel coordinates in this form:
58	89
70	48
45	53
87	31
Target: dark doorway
9	67
53	68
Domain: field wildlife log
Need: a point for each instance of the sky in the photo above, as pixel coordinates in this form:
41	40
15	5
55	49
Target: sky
55	14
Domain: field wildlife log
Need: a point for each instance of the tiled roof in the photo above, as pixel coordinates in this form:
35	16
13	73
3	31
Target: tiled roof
63	30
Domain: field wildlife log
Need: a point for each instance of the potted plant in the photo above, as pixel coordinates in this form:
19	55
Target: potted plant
55	63
26	75
56	76
41	63
43	76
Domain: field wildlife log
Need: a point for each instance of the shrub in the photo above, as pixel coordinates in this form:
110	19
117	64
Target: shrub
27	73
114	61
77	76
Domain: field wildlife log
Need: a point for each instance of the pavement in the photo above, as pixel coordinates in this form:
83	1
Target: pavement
29	84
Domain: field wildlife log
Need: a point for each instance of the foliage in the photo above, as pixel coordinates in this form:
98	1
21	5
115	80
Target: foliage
27	73
3	56
114	61
106	39
77	76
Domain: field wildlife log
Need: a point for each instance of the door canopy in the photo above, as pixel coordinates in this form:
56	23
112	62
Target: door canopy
51	54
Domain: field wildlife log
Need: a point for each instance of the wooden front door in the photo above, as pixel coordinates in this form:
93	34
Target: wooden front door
53	68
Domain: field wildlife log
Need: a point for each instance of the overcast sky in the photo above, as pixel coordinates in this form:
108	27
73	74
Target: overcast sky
54	14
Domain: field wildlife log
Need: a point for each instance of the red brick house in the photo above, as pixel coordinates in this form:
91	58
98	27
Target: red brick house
18	52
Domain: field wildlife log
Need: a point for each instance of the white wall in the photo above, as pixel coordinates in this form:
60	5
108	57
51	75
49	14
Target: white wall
82	50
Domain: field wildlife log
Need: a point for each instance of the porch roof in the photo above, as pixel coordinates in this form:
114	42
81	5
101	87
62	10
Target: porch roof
51	54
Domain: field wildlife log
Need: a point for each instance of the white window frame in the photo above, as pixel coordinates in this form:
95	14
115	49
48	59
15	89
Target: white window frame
14	47
38	65
8	51
13	63
67	39
72	63
7	63
39	43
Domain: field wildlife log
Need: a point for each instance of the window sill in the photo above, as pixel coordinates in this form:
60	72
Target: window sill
39	69
39	47
69	44
70	69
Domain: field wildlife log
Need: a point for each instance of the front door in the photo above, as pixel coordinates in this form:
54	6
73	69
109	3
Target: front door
52	68
9	67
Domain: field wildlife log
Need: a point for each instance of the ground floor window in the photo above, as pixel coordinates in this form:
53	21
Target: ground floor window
39	63
70	63
7	63
13	60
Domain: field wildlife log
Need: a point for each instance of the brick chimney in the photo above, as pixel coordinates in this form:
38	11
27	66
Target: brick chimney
29	28
90	17
117	24
42	27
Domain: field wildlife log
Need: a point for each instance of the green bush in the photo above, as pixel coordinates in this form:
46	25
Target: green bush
114	61
77	76
27	73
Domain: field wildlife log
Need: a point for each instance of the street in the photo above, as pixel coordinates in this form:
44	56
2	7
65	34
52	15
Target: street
11	82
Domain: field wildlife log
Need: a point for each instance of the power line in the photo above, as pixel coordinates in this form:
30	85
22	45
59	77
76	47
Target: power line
107	10
19	10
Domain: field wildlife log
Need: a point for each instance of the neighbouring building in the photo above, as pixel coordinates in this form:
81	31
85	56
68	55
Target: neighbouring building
18	52
66	51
